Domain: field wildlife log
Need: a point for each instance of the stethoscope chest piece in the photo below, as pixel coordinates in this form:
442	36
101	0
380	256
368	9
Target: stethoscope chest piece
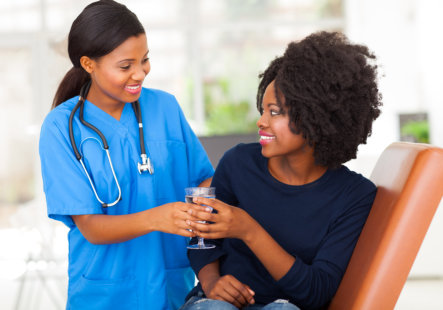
146	165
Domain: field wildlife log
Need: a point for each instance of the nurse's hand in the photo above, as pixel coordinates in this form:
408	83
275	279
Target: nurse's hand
228	222
172	218
105	229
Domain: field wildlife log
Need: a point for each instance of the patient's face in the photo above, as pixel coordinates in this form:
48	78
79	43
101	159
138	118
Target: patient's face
276	137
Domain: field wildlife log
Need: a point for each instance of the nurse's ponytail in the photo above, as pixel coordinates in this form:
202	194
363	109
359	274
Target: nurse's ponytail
70	85
98	30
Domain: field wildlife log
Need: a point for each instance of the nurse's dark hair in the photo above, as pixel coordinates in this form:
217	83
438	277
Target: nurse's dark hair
98	30
328	88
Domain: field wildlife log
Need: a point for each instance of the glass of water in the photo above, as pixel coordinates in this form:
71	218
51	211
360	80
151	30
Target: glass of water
206	192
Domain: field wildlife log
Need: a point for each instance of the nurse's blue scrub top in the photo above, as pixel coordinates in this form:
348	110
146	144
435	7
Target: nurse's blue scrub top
148	272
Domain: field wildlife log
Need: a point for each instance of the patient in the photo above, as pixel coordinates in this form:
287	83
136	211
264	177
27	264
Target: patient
288	212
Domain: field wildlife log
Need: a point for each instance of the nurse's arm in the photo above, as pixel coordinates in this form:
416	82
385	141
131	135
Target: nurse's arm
206	183
105	229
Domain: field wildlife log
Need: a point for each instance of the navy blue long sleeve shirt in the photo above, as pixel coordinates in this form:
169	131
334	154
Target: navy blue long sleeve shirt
318	223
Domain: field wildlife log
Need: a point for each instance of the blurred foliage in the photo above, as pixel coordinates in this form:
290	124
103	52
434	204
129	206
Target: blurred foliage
225	114
330	8
16	189
418	130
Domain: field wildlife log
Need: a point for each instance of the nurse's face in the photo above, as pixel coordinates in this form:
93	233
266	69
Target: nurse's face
276	138
118	76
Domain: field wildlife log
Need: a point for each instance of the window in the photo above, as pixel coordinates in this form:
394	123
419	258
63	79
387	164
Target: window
208	53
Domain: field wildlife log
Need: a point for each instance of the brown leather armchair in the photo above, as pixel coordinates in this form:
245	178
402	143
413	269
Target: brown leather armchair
409	177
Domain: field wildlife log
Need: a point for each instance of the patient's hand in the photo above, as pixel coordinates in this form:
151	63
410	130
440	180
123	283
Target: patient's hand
228	222
229	289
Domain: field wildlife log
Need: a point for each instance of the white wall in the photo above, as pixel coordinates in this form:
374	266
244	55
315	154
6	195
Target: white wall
406	37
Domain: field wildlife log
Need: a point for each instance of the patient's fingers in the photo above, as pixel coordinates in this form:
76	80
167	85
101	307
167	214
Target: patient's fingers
229	289
201	215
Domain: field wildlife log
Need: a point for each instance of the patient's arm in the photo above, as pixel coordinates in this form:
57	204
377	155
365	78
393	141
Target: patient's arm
233	222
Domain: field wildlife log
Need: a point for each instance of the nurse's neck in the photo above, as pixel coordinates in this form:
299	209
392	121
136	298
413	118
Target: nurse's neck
112	107
115	112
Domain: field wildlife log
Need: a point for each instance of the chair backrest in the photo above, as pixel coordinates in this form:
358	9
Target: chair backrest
409	177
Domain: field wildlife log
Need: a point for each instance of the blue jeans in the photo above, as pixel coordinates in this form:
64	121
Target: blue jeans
201	303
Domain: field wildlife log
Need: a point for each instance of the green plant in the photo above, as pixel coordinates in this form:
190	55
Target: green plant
418	130
224	113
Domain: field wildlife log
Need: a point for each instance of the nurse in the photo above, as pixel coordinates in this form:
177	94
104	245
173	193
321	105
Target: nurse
131	255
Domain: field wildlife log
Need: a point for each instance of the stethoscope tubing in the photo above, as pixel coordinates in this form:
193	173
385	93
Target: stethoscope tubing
104	204
146	162
136	108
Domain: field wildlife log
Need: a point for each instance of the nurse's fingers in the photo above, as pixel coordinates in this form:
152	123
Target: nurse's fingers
184	228
185	214
181	210
179	219
185	233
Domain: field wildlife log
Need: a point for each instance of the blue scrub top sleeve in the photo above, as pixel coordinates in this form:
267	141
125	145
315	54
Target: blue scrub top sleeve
65	184
200	168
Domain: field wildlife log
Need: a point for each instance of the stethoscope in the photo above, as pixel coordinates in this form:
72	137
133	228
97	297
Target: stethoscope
144	166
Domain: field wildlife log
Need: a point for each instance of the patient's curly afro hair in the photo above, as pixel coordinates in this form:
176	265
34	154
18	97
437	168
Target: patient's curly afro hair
328	87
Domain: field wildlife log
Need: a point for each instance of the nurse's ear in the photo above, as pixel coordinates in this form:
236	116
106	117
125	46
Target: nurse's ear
87	64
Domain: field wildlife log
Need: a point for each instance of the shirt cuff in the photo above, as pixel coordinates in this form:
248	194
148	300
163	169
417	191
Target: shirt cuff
200	258
295	277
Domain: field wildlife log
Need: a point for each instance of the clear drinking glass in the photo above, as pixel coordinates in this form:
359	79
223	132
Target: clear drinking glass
190	193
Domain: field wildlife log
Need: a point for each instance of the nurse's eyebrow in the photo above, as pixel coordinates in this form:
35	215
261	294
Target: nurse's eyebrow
132	59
